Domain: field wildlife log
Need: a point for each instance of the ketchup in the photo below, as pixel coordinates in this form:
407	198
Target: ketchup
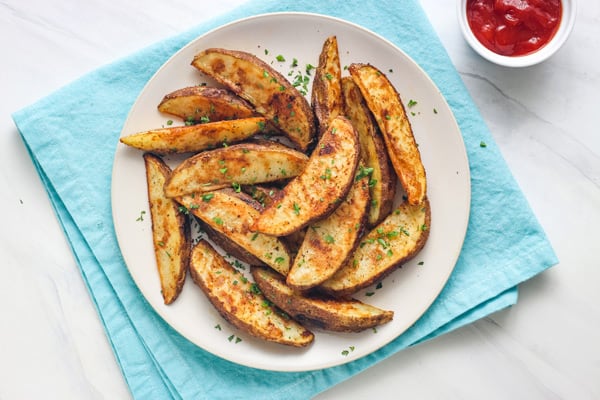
514	27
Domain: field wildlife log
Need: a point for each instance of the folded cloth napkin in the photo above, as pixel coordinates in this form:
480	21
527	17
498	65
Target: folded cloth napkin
72	134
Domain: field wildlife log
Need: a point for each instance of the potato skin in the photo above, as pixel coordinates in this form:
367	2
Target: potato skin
322	185
326	96
242	163
330	241
198	103
231	215
396	240
382	181
386	105
195	138
349	315
170	230
236	299
271	94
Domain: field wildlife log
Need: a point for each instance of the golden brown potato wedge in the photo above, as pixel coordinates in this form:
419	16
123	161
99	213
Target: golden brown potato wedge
326	97
205	104
271	94
232	214
170	231
386	105
319	189
394	241
240	302
194	138
243	164
382	181
322	312
329	241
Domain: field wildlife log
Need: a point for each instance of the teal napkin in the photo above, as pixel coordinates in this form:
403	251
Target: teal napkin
72	134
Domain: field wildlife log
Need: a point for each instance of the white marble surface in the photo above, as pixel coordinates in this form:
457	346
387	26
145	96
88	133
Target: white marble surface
545	119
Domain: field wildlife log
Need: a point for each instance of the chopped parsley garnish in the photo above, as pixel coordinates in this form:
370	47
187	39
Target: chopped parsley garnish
411	103
207	196
141	217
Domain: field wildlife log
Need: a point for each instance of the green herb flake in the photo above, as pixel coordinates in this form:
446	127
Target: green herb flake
170	122
296	209
218	221
141	217
329	239
183	210
218	327
279	260
482	144
280	58
254	236
363	172
411	103
207	197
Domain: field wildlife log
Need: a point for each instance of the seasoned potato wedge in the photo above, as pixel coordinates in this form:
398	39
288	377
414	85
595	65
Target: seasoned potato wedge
384	102
170	231
382	182
194	138
322	312
271	94
243	164
319	189
394	241
326	96
231	214
329	242
205	104
240	302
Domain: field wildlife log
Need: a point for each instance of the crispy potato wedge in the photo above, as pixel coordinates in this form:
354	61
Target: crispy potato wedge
243	164
328	242
326	96
271	94
394	241
170	231
386	105
382	182
319	189
240	302
194	138
232	214
205	104
321	312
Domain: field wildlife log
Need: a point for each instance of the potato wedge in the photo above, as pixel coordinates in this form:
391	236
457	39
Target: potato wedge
194	138
326	96
328	242
321	312
231	214
205	104
386	105
243	164
271	94
394	241
382	182
240	302
319	189
170	231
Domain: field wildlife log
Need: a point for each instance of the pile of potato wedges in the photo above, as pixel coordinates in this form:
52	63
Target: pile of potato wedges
302	190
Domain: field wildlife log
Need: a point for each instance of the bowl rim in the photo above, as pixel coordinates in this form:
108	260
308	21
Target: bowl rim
567	23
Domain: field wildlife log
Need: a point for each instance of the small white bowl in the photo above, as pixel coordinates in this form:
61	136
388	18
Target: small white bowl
569	10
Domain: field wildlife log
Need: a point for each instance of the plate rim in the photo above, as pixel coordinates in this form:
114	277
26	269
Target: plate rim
464	156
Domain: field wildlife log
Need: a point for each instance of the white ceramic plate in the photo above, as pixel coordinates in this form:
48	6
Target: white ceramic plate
408	292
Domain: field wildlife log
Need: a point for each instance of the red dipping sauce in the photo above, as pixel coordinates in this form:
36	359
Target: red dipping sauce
514	27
